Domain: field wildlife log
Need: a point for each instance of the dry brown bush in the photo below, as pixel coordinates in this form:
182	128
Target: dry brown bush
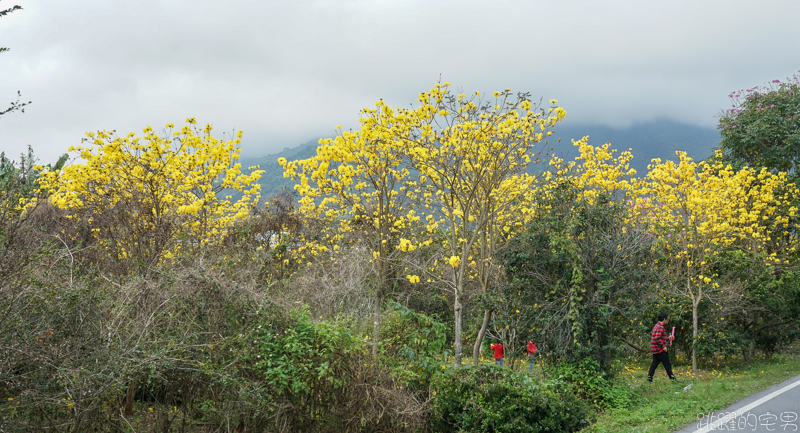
333	286
374	401
85	351
77	351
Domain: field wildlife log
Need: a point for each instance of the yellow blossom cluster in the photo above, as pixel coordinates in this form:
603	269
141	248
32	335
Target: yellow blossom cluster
157	184
601	172
710	204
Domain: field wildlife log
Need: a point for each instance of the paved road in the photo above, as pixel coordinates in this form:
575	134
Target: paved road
776	409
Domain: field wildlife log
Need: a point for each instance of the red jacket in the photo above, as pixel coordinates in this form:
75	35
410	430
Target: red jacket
498	351
532	348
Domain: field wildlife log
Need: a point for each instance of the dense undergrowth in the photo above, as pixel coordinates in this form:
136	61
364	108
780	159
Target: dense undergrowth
209	344
200	349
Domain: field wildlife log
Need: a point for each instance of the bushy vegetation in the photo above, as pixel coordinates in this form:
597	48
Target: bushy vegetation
136	294
761	127
495	399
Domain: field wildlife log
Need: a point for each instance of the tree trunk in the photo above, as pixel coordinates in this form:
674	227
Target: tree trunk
457	348
130	395
376	332
746	352
381	271
476	349
694	335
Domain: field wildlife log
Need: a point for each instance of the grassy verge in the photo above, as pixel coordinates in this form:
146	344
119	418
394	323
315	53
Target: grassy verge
663	407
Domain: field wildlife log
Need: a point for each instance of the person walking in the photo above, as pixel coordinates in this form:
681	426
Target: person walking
498	352
658	347
531	347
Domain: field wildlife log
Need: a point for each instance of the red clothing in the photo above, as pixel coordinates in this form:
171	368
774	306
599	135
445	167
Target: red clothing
532	348
658	340
498	351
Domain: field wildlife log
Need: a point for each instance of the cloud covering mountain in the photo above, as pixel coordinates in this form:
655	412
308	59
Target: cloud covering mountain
285	71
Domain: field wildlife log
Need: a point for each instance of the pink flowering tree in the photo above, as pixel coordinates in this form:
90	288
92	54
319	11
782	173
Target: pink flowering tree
762	127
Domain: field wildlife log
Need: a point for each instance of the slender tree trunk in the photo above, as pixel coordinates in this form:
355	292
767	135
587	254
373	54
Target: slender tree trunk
457	347
376	331
746	354
380	283
695	332
381	272
484	269
476	349
130	395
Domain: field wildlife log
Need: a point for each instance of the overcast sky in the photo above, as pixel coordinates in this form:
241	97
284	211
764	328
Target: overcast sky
289	71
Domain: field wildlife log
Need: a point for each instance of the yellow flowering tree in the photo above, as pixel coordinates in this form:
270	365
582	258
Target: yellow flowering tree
471	155
700	209
357	184
136	194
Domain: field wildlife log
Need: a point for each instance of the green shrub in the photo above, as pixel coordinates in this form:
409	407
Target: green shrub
495	399
321	377
590	384
413	344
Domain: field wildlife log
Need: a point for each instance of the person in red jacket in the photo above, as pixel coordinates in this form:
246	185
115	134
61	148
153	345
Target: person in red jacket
531	347
658	347
498	352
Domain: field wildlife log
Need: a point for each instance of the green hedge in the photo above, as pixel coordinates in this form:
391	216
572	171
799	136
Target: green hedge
495	399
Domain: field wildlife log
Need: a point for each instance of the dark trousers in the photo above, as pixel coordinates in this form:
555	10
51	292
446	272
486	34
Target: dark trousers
663	358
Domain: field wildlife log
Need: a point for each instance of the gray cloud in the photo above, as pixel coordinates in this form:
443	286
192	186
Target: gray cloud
285	72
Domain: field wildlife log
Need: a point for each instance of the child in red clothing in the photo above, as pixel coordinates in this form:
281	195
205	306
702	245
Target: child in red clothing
498	352
531	354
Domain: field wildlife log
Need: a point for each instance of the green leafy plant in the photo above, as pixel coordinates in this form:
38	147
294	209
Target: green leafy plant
589	382
320	377
414	343
493	399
